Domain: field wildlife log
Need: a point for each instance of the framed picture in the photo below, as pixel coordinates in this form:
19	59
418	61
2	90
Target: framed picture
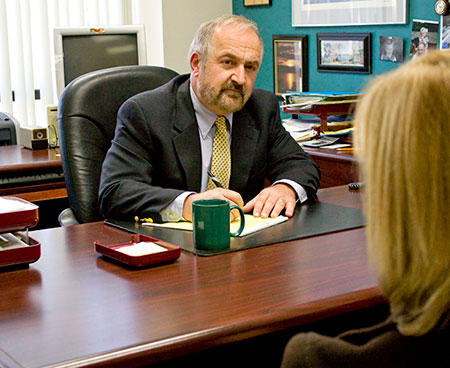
257	2
344	52
391	48
445	32
424	37
347	12
290	63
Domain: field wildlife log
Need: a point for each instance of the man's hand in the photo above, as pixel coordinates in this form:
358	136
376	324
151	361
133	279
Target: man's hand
272	200
218	193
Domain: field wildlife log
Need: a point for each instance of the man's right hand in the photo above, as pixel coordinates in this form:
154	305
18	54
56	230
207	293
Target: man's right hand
219	193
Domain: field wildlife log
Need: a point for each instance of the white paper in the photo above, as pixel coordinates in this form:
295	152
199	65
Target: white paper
12	205
141	249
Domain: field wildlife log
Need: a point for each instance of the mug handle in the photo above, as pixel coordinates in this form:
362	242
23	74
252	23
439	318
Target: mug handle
241	228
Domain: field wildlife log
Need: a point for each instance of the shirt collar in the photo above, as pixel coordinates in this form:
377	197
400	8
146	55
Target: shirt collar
205	117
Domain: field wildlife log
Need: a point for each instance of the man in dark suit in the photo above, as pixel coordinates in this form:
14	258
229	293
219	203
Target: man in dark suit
160	157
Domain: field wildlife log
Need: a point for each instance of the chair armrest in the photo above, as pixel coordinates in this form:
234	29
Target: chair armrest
67	218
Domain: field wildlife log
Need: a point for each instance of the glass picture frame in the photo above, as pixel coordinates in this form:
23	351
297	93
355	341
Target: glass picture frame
290	63
257	2
348	12
444	43
344	52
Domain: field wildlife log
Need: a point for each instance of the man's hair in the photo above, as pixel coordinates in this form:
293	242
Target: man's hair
202	42
401	136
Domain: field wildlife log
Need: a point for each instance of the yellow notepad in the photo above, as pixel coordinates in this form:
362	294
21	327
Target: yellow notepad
252	224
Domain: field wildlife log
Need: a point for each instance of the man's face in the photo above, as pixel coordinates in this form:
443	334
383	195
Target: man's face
389	49
420	49
225	79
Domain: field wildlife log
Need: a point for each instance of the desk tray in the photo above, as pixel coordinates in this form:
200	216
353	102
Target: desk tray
173	252
22	255
19	220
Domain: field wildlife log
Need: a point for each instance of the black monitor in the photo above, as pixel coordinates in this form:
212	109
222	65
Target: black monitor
79	50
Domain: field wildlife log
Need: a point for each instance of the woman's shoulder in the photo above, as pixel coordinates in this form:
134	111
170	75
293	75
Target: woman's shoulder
378	346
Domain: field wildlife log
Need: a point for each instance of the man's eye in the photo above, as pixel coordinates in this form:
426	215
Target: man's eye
250	67
227	62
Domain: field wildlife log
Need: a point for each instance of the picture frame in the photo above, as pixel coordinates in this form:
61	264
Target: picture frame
290	63
344	52
348	12
444	43
424	37
257	2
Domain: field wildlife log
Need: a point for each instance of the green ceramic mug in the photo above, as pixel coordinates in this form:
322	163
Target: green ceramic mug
211	223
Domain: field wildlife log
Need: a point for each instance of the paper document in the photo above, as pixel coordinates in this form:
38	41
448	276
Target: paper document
252	224
141	249
13	205
291	126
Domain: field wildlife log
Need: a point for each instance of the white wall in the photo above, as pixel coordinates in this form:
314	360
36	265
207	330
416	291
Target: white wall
181	20
170	26
149	13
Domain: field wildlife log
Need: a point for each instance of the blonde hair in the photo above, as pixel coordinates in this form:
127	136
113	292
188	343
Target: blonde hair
402	140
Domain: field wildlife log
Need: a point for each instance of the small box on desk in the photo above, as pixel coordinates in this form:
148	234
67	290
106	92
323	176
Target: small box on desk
132	255
34	137
16	247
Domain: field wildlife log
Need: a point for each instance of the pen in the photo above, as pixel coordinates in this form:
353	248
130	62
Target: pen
215	180
346	149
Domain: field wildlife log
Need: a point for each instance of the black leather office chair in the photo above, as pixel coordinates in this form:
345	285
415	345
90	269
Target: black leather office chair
87	114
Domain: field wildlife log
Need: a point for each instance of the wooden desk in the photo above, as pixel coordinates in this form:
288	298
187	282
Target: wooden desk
16	160
75	307
338	168
50	197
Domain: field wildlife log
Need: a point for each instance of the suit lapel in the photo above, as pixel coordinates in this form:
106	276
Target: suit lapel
243	145
186	138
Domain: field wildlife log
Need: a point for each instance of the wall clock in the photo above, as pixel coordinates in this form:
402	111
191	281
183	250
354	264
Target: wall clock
441	7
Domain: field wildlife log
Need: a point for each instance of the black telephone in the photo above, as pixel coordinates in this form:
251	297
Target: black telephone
8	129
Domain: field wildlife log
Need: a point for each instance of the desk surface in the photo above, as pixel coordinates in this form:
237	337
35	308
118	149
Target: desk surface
75	306
17	158
17	161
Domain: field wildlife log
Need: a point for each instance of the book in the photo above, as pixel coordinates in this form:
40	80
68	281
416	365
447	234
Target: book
305	100
252	224
321	142
301	97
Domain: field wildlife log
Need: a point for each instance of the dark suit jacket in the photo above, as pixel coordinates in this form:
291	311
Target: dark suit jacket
156	154
374	347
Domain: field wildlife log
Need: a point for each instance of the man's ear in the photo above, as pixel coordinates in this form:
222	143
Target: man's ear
195	63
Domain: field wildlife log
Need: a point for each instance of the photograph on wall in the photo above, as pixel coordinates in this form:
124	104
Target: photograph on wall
445	32
257	2
289	63
344	52
424	37
347	12
391	48
335	52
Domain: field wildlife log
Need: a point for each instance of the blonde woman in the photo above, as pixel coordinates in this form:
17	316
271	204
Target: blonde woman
402	140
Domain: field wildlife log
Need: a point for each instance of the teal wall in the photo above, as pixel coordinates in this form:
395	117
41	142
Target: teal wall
276	19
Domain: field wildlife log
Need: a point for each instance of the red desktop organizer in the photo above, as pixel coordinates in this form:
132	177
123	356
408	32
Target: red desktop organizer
16	222
171	253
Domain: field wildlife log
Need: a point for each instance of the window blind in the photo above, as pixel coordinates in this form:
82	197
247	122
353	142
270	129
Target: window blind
27	73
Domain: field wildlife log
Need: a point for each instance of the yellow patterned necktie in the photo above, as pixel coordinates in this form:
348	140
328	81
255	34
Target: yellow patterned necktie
221	157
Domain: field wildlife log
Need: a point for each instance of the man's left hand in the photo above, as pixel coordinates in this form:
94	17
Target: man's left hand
272	200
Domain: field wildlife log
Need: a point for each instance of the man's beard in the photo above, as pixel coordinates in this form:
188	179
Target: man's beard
225	100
